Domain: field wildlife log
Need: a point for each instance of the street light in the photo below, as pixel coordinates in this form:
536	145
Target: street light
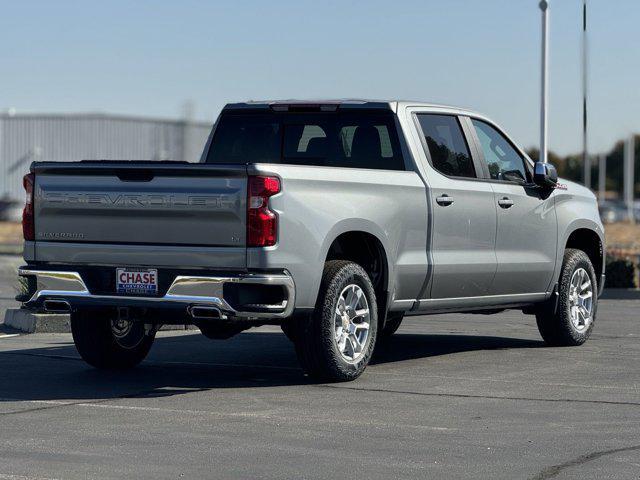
544	80
628	177
602	176
586	161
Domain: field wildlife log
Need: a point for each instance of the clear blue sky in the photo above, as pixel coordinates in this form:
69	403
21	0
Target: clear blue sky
149	57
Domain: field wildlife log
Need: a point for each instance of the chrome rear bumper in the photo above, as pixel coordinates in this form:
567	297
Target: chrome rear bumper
187	291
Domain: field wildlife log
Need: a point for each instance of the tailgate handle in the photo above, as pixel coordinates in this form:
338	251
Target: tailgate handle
135	175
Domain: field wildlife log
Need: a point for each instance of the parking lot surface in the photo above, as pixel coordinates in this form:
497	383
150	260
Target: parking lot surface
450	396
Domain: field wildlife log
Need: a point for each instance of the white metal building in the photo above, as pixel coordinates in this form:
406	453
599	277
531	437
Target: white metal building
25	138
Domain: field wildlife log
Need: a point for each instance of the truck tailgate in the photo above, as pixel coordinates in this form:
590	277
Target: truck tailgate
165	204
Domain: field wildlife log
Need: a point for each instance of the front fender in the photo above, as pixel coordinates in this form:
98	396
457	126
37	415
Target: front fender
576	209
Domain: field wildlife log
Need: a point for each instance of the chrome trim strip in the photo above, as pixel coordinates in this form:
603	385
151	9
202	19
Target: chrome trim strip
462	303
189	290
507	296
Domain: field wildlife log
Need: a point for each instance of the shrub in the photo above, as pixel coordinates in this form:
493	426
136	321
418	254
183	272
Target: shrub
620	273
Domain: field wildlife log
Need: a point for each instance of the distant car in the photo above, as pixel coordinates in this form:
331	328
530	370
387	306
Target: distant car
10	210
612	211
331	219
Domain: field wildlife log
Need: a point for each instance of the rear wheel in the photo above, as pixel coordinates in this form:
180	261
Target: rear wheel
336	342
106	342
290	328
572	322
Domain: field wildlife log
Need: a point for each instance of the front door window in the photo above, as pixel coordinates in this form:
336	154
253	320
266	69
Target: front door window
503	160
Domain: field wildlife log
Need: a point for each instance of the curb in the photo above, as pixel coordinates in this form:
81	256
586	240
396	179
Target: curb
29	322
10	249
620	294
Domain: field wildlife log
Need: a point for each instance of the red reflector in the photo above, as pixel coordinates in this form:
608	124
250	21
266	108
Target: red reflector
262	223
28	227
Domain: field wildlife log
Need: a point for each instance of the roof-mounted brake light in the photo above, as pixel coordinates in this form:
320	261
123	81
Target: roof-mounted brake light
304	107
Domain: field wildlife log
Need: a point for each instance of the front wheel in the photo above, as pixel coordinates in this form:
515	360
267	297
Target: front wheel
572	322
106	342
336	342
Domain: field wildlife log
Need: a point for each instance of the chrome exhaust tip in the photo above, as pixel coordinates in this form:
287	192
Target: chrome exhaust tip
201	312
56	306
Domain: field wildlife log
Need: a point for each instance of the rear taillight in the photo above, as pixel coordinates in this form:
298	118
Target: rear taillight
28	227
262	223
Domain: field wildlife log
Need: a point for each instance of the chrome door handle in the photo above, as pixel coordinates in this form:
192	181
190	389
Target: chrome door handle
505	202
444	200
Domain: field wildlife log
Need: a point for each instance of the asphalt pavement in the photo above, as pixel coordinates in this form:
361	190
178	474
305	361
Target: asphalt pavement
450	396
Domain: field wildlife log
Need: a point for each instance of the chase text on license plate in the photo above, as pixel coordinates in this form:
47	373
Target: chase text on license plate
137	281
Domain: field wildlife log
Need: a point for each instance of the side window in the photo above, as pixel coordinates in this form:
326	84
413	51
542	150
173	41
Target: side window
504	161
447	146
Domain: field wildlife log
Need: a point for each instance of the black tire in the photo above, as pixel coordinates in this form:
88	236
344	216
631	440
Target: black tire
556	328
391	325
314	335
98	345
289	328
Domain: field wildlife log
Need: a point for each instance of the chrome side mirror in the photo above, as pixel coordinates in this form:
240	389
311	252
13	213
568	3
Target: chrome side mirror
545	175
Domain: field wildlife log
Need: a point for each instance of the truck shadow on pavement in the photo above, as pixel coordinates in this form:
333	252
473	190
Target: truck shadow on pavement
402	347
188	363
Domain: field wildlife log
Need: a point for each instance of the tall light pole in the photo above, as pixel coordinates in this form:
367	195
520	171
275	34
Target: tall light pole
586	161
544	80
628	177
602	176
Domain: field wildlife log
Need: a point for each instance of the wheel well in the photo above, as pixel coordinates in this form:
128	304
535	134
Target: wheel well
589	242
367	251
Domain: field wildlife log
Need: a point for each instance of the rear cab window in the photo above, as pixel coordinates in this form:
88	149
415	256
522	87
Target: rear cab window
353	139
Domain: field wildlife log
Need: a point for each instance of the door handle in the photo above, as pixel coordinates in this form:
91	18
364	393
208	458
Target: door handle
505	202
444	200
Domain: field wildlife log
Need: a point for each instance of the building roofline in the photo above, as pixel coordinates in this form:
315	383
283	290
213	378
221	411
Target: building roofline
99	116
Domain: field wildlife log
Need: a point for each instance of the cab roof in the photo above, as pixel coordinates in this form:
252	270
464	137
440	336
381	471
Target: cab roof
342	104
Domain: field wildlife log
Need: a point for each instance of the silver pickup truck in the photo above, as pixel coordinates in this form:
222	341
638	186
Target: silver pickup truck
333	219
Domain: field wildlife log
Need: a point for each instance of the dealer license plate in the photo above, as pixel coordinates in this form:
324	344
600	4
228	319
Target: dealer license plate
137	281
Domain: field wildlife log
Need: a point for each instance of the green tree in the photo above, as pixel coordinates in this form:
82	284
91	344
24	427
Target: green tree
570	166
